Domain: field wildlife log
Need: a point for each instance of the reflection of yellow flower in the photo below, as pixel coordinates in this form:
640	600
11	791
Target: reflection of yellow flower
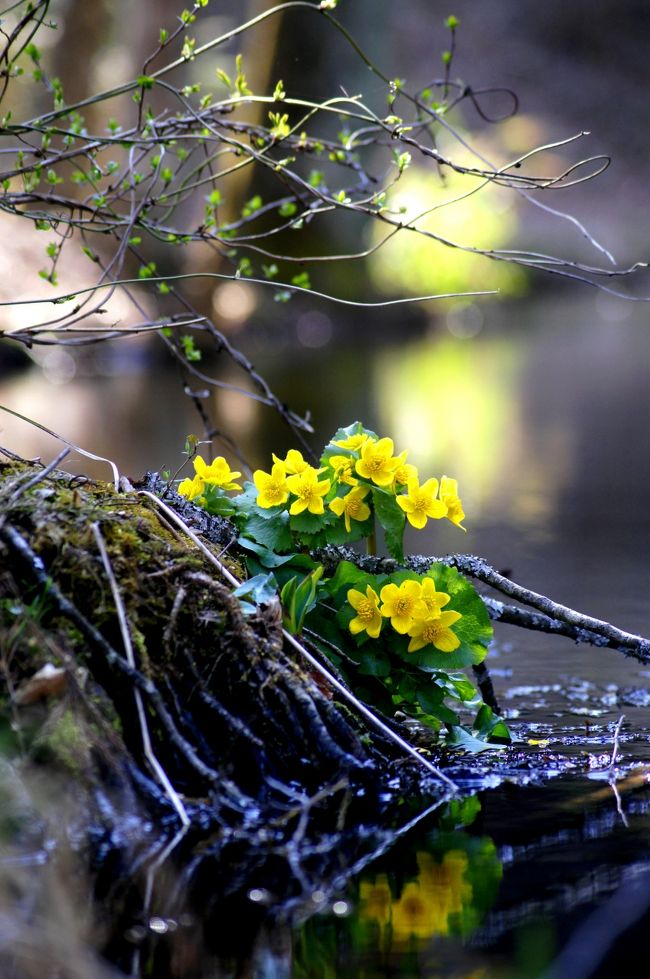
308	490
426	904
377	462
435	631
449	496
375	900
272	487
419	503
366	606
351	506
412	915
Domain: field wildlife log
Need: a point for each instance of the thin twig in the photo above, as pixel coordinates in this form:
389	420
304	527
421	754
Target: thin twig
128	649
83	452
19	490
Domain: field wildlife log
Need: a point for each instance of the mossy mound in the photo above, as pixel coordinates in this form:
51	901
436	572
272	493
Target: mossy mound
235	725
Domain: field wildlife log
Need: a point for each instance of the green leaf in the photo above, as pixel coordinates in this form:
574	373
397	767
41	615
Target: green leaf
460	737
429	696
445	714
260	590
374	661
312	523
267	557
298	597
272	532
490	726
217	504
338	535
348	576
458	686
392	519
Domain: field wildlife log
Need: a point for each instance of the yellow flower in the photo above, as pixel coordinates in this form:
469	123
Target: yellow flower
412	916
405	470
449	496
419	503
308	490
272	487
401	604
444	884
351	506
343	468
293	463
434	631
366	606
377	462
353	442
218	473
434	600
375	900
427	903
191	488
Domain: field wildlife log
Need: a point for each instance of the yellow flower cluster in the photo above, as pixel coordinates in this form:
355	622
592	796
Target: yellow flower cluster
414	609
292	476
218	474
365	461
425	904
373	460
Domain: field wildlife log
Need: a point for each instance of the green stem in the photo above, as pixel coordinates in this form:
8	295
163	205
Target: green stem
371	541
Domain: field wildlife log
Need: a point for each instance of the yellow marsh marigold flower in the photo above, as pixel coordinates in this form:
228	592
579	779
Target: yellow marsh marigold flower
434	600
354	442
191	488
293	463
308	490
449	496
366	606
218	473
343	468
405	470
351	506
419	502
377	462
434	631
272	487
402	604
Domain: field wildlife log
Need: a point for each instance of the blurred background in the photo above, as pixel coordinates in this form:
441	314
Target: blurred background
536	399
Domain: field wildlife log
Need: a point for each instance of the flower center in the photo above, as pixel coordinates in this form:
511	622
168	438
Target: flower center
432	631
365	610
403	606
275	491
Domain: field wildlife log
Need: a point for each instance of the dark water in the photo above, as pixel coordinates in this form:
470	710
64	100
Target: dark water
543	418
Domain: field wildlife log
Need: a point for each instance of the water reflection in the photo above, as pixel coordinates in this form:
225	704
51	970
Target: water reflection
431	889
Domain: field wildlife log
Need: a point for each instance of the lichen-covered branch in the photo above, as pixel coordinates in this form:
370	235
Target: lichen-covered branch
543	614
